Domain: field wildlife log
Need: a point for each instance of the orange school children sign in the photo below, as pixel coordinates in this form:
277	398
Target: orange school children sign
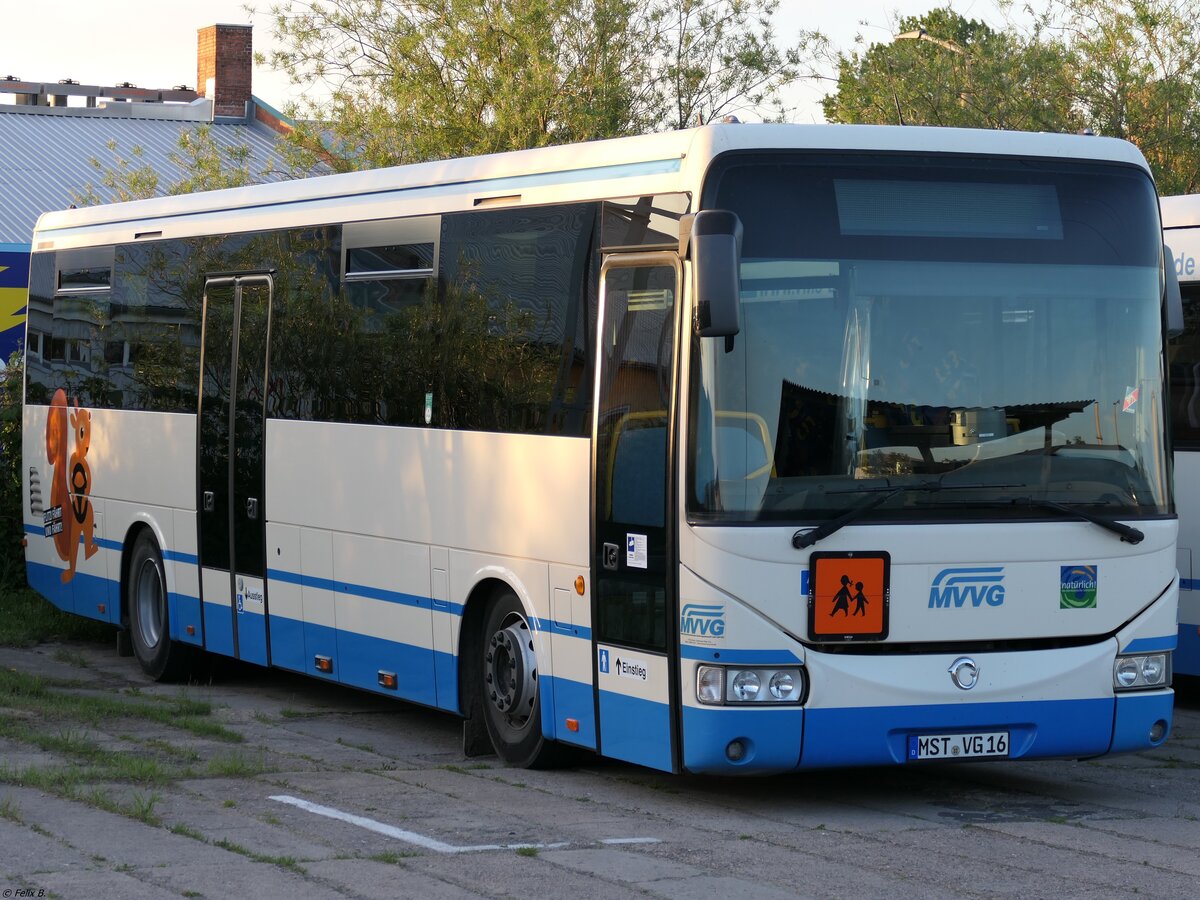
848	596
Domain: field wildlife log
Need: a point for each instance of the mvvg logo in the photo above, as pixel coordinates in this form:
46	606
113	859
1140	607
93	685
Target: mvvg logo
977	585
703	621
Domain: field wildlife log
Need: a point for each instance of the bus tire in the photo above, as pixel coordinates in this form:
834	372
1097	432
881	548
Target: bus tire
509	685
149	617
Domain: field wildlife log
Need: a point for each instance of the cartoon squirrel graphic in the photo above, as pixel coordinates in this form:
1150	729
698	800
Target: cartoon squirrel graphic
70	483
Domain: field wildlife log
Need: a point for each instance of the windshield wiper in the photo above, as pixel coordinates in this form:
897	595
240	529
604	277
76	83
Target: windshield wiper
1128	533
802	538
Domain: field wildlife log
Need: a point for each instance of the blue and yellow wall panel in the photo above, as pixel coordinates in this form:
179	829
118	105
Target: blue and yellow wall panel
14	297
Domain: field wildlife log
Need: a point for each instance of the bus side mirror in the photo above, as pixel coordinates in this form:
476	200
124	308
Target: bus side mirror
1172	296
714	239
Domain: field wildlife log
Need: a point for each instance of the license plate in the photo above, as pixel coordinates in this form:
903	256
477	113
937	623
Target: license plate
958	746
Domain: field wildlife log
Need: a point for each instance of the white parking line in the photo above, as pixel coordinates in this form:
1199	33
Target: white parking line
400	834
420	840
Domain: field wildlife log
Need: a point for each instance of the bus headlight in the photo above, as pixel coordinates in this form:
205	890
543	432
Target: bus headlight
746	685
782	685
1141	672
710	684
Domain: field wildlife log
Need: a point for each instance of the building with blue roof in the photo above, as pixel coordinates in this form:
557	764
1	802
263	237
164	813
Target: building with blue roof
50	132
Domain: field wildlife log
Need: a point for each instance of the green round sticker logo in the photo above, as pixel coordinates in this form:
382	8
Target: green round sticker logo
1077	587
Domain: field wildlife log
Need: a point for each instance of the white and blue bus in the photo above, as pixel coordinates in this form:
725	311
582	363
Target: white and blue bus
1181	229
737	449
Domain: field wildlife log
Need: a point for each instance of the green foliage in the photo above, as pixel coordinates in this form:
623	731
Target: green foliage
415	80
12	559
1122	68
201	162
945	69
1138	73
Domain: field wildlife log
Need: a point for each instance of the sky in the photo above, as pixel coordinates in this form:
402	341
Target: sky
152	43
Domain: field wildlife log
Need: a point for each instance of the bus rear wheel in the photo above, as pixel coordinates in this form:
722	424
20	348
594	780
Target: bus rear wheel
149	617
509	686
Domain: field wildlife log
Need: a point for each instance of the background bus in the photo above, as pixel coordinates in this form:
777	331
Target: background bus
1181	230
743	448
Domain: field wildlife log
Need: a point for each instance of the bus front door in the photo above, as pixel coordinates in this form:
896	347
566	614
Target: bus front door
232	420
634	564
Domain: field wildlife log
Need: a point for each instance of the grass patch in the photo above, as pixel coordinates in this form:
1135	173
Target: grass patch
288	713
74	657
527	851
69	784
28	692
73	726
188	832
366	748
237	765
27	618
9	810
184	754
284	862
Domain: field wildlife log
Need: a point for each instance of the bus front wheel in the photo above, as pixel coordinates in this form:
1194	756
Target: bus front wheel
511	696
149	620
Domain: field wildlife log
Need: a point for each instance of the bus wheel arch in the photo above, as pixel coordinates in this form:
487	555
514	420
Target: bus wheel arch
500	678
145	607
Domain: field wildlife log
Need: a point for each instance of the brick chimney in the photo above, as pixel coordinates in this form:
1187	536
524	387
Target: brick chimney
224	62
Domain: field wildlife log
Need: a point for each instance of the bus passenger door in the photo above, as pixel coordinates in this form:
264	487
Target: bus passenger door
232	421
634	556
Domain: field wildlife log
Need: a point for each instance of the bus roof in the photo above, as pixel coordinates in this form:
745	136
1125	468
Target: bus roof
658	163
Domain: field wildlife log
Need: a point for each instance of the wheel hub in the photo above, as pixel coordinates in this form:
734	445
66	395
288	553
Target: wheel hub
510	671
150	596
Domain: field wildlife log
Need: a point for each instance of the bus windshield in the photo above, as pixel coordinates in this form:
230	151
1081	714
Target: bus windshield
980	337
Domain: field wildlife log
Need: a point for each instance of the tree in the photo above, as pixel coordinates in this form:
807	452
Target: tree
415	80
944	69
1120	68
1138	74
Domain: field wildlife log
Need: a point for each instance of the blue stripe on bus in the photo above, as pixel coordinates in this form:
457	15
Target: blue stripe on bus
636	730
740	657
252	637
422	675
1151	644
1136	714
218	629
771	738
108	544
183	611
1186	659
84	594
872	736
549	625
1189	584
572	700
357	590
